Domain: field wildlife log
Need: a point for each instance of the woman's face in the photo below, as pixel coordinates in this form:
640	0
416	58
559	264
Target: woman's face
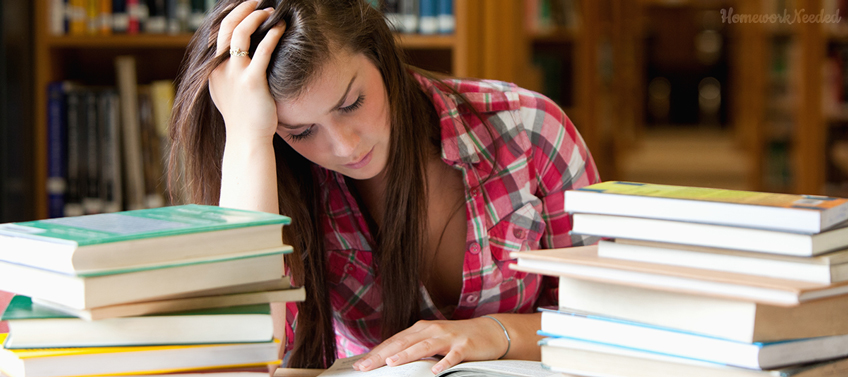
341	121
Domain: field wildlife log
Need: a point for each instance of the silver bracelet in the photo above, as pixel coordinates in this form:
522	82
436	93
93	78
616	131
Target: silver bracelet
508	341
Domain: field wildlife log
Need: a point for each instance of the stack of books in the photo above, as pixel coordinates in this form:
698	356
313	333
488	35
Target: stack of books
161	290
698	282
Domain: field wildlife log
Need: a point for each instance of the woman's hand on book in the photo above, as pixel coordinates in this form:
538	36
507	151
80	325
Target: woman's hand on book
457	341
239	87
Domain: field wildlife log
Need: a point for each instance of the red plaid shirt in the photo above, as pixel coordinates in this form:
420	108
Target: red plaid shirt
537	156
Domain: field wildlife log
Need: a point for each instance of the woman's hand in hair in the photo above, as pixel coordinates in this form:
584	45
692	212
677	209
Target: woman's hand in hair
460	340
239	87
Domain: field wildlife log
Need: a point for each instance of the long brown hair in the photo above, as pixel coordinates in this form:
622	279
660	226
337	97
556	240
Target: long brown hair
314	28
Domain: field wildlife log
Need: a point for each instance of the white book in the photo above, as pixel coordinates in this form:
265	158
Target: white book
812	269
681	344
719	236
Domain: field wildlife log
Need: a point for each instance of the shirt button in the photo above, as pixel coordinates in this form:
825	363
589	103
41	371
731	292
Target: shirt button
475	192
349	268
471	298
474	248
518	232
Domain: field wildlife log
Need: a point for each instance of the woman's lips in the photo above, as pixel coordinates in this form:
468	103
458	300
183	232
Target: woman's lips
362	162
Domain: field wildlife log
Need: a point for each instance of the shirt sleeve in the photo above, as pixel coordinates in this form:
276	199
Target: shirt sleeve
562	162
291	323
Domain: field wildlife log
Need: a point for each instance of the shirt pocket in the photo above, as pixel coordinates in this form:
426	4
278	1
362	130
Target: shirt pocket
518	231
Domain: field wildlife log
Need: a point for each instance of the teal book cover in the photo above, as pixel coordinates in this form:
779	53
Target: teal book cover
22	308
139	224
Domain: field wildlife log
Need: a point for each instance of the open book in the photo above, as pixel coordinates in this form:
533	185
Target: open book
421	368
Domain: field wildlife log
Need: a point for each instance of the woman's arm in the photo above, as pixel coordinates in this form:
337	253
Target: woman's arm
239	89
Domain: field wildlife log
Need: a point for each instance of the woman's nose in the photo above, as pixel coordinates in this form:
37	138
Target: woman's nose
344	141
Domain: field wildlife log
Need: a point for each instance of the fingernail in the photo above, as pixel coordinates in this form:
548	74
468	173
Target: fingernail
394	359
269	9
365	363
437	369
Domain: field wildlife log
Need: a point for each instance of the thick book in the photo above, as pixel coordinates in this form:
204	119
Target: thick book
591	359
719	236
584	263
89	361
825	269
32	325
84	292
634	335
277	290
94	244
785	212
742	321
495	368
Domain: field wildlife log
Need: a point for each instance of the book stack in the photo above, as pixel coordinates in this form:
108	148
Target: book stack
170	289
698	282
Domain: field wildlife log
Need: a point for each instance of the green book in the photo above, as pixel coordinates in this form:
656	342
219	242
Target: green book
32	325
148	238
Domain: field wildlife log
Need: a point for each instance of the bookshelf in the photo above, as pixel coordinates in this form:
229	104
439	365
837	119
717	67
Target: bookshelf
478	48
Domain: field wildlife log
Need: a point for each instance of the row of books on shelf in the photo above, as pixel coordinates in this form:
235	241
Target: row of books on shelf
153	291
106	17
107	148
419	16
544	16
698	282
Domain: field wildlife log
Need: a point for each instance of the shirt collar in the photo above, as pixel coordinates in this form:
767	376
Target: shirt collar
459	142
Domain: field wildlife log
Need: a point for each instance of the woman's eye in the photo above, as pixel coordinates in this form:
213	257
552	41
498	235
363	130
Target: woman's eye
303	135
355	105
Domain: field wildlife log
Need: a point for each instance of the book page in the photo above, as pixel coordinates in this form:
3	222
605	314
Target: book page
344	368
517	368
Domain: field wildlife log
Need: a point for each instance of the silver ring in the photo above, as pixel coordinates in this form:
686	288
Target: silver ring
237	52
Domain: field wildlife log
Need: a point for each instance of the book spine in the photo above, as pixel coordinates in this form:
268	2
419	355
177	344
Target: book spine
134	16
92	17
73	198
447	20
91	201
150	151
57	15
196	14
120	17
409	15
128	90
76	17
104	22
391	9
57	151
156	21
110	183
428	21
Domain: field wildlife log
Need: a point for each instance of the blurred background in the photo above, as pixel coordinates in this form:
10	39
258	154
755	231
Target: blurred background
740	94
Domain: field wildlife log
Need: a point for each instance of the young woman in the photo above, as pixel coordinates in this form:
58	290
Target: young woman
406	193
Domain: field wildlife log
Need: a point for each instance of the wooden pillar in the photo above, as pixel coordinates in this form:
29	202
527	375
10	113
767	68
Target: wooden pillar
809	157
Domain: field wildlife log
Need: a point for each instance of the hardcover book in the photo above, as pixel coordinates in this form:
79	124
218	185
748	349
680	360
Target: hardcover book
147	238
784	212
32	325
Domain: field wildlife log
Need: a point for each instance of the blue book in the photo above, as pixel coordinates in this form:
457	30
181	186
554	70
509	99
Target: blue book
428	16
659	340
447	20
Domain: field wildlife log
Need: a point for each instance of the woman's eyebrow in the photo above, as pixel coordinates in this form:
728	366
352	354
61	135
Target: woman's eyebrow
336	106
342	100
